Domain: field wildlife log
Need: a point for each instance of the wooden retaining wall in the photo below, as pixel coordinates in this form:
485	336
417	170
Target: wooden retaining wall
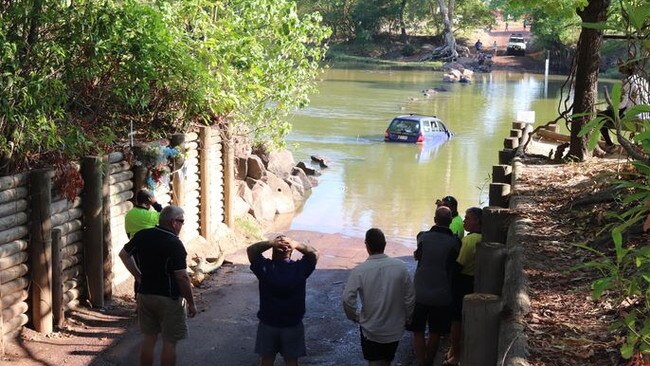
68	276
120	193
500	301
14	256
56	253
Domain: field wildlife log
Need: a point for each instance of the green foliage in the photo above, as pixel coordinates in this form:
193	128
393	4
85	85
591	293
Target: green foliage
625	276
408	50
362	20
75	75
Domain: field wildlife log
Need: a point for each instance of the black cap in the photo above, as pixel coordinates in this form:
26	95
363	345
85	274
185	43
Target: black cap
447	201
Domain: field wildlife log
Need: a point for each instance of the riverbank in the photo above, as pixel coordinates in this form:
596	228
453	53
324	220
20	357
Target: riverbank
392	52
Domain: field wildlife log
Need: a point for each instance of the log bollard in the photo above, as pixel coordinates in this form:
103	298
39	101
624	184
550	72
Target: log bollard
511	142
481	314
93	234
490	267
515	133
499	194
57	279
519	125
40	249
506	156
527	131
495	224
502	174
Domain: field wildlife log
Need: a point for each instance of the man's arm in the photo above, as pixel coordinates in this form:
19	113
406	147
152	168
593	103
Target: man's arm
255	250
350	298
409	296
130	265
185	288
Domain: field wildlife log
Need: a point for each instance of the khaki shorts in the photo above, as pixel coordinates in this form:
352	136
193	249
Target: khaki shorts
162	314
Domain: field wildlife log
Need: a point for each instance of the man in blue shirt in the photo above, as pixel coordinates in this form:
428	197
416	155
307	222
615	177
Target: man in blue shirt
282	298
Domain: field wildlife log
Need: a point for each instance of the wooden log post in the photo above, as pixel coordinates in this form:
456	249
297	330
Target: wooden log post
205	214
178	178
229	186
93	218
40	250
57	279
502	174
511	142
495	224
2	327
107	247
515	133
527	131
490	268
506	156
499	194
481	314
518	125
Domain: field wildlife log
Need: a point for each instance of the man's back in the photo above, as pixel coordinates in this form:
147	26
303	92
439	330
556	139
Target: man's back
158	253
282	289
438	249
387	297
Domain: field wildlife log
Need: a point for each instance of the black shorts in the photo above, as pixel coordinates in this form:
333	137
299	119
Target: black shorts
437	318
464	285
373	351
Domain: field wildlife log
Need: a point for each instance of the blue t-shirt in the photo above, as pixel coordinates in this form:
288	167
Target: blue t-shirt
282	289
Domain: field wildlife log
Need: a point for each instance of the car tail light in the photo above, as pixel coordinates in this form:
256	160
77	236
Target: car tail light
420	137
386	135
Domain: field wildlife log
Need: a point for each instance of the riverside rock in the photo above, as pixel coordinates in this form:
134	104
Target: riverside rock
256	169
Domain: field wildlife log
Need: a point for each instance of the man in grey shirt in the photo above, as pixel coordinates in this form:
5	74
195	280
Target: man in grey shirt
385	289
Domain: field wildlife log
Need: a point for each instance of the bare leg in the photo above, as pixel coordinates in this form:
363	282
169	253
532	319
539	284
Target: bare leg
454	352
146	349
168	355
432	348
267	360
418	347
291	361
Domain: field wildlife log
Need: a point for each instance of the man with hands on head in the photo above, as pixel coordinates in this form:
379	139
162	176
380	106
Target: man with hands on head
156	258
282	283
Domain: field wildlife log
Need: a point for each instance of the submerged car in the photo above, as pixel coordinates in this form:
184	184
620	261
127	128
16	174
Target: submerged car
414	128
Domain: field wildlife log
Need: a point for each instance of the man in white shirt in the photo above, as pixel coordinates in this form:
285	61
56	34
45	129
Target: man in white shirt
387	299
635	90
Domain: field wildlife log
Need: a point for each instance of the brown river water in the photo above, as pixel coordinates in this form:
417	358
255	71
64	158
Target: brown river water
371	183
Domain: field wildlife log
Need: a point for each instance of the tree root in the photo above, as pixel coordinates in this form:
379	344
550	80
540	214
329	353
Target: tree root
603	196
603	242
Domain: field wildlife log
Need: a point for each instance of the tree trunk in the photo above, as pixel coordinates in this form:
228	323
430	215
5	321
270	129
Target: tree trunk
450	41
402	25
586	78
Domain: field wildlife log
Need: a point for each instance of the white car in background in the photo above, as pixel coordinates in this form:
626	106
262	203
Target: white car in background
516	45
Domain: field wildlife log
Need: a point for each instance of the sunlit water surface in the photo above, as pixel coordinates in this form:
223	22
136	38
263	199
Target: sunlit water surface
371	183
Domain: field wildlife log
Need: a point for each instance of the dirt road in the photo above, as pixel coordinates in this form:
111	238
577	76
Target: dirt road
223	333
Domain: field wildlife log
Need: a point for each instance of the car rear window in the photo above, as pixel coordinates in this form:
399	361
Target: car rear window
404	126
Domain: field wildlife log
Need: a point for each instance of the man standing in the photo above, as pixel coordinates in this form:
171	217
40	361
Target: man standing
384	287
456	225
161	270
437	250
464	281
282	298
140	216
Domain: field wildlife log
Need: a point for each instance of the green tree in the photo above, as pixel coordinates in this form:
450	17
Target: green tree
75	75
